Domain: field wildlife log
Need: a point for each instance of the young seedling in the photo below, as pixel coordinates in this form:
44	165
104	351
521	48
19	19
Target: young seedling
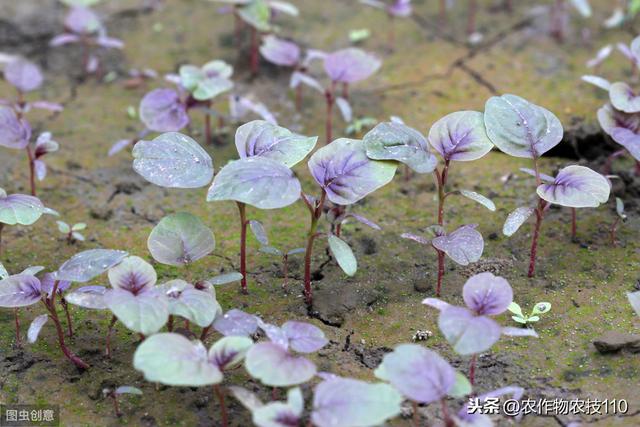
621	216
172	359
72	232
471	330
623	127
262	177
423	377
83	27
522	129
520	317
397	9
261	235
114	393
459	136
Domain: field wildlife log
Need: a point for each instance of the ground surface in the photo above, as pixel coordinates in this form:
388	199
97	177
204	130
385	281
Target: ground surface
431	72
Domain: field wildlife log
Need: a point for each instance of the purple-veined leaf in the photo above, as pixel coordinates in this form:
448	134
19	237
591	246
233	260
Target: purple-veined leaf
274	366
173	160
395	141
464	246
520	128
634	300
35	327
260	138
467	333
15	132
460	136
343	255
623	98
48	282
88	297
172	359
419	374
298	78
229	352
133	275
236	323
479	198
279	51
280	414
344	171
597	81
256	181
487	294
127	389
259	232
20	290
519	332
86	265
345	109
162	111
436	303
23	75
275	334
515	219
145	312
576	187
350	65
543	177
416	238
223	279
623	128
180	239
197	306
346	402
19	209
304	337
64	38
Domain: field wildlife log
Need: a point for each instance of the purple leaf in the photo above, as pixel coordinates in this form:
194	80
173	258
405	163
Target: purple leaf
362	220
416	238
464	246
40	168
82	20
520	128
49	106
63	39
400	8
145	312
298	78
48	282
623	98
20	209
460	136
110	42
180	239
88	297
23	75
576	187
487	294
622	127
274	366
344	171
279	51
35	327
395	141
20	290
228	352
119	146
256	181
162	111
304	337
350	65
14	132
467	333
259	232
634	300
236	323
133	275
86	265
419	374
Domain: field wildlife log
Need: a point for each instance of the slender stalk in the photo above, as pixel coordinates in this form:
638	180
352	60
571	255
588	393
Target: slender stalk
471	18
254	59
472	369
345	90
112	323
448	422
612	231
243	246
441	181
65	306
416	416
16	316
32	170
285	270
536	234
116	407
316	213
170	323
1	228
328	94
204	333
50	304
223	408
574	224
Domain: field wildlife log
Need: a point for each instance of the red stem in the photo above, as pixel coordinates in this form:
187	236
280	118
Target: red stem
315	216
16	315
536	234
170	323
243	246
472	369
285	270
329	120
613	230
112	323
32	171
441	181
223	408
345	91
65	306
254	52
443	11
448	422
471	18
116	407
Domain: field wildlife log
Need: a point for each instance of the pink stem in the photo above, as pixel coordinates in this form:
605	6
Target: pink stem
243	246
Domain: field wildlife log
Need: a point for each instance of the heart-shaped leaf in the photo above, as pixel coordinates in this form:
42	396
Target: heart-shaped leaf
467	333
15	132
350	65
260	138
623	98
133	274
172	359
86	265
20	290
623	128
280	414
515	219
173	160
279	51
487	294
520	128
35	327
276	367
395	141
344	171
144	313
20	209
23	75
229	352
576	187
419	374
464	246
162	111
180	239
345	402
256	181
236	323
460	136
304	337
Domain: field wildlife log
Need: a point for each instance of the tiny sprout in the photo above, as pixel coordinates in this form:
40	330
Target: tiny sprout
72	232
261	235
621	216
520	317
113	395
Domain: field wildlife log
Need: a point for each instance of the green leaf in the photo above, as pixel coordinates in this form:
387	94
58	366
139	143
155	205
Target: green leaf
515	308
541	308
462	386
519	319
343	255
